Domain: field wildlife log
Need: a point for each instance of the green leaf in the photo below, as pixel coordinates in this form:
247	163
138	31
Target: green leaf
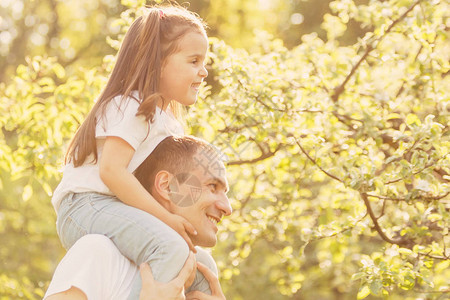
405	251
363	292
412	119
358	275
59	70
27	193
375	287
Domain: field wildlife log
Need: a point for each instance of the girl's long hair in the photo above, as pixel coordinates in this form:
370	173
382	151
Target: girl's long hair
148	42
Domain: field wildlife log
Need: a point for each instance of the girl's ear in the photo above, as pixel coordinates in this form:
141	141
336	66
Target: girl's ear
162	188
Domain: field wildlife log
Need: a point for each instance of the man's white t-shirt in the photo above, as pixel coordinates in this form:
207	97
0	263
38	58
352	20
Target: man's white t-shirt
95	266
120	120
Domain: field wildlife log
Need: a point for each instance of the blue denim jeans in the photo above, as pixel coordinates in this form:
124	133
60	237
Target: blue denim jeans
138	235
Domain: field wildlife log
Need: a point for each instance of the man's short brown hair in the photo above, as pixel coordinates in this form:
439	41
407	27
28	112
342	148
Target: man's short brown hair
174	154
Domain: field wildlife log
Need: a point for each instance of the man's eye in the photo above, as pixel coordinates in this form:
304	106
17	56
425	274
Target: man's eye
213	186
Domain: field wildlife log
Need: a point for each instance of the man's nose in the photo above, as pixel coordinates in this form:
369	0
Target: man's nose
224	205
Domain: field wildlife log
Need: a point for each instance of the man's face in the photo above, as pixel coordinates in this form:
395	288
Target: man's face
202	198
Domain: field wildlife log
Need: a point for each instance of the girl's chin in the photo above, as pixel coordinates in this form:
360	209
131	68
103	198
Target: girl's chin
189	102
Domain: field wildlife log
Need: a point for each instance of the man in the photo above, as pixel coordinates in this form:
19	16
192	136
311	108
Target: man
186	176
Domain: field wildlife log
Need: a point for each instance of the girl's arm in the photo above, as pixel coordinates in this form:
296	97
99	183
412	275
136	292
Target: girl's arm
116	156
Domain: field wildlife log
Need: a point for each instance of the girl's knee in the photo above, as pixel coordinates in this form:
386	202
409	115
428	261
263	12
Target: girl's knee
169	258
176	250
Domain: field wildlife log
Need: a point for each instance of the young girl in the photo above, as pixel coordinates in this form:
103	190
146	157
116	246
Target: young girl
159	68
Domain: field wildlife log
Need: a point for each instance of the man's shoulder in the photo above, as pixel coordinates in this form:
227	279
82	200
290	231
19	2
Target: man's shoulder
204	256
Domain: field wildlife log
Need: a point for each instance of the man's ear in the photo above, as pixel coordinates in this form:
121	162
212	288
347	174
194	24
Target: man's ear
163	180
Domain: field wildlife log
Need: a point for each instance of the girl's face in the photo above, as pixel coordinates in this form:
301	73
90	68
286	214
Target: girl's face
183	71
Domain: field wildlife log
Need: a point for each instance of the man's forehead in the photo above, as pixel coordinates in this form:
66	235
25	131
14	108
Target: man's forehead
210	162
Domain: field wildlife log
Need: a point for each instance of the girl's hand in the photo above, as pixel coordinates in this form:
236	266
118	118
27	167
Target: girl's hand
184	228
216	290
172	290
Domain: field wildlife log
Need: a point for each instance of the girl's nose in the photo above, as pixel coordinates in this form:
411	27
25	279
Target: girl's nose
203	72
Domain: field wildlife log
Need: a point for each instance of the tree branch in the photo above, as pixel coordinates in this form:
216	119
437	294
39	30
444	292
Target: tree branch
315	162
428	198
349	227
415	173
237	129
261	157
400	242
382	210
319	75
340	88
337	91
444	257
252	190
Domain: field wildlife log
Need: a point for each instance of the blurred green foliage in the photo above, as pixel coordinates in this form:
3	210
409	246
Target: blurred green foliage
334	116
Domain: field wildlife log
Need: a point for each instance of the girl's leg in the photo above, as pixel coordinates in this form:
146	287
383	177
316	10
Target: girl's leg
138	235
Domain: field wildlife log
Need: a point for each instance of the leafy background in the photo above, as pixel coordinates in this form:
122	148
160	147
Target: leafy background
334	116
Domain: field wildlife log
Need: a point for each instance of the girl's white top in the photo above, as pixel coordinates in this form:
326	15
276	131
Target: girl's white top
120	120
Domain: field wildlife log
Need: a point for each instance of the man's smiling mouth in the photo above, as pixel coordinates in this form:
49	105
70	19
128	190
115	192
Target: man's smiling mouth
213	219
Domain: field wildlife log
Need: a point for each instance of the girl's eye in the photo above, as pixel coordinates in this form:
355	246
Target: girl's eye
194	61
